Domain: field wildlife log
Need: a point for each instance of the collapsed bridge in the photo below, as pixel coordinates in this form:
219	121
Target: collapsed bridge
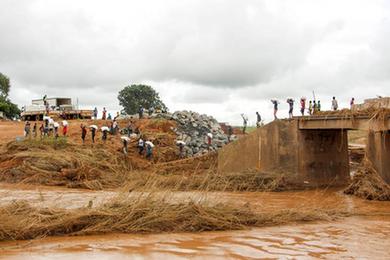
311	149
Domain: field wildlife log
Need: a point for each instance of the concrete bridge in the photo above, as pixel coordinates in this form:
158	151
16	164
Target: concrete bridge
311	149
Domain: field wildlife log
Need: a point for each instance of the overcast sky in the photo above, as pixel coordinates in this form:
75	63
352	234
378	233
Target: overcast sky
220	57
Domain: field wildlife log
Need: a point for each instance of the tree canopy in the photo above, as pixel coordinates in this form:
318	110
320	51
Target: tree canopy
134	96
4	85
6	106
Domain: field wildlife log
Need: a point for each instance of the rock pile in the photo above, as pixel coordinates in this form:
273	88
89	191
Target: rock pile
192	128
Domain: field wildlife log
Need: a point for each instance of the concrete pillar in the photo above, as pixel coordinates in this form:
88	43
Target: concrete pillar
323	157
378	152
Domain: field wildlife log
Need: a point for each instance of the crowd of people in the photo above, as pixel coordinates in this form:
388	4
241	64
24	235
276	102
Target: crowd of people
48	128
145	146
314	106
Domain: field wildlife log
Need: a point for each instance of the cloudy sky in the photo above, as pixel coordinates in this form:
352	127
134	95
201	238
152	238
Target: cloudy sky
220	57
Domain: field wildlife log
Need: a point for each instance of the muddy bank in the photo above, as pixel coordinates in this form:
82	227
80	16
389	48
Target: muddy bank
341	239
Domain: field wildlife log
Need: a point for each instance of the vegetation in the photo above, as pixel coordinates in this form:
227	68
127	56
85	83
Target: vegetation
6	106
134	96
146	213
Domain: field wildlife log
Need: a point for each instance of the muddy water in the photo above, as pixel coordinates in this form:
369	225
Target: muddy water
364	236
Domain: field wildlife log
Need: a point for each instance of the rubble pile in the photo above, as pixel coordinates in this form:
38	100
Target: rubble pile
192	128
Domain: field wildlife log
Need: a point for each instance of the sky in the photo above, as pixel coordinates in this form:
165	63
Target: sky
218	57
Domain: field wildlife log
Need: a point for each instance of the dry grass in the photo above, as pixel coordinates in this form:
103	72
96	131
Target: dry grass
209	181
144	214
368	184
57	163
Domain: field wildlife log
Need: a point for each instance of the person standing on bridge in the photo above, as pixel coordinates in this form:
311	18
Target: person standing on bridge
290	102
245	123
303	106
310	108
319	105
335	105
315	108
276	103
352	103
258	120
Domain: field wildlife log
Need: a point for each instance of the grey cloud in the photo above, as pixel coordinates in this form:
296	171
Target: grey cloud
229	44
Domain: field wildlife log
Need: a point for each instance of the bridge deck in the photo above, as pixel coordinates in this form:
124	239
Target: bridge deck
342	122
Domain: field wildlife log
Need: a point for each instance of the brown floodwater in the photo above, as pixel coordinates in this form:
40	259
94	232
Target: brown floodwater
365	235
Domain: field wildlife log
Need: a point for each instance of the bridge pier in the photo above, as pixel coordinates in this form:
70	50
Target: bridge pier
323	157
314	157
378	152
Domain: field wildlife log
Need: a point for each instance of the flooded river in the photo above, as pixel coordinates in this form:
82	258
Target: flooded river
364	236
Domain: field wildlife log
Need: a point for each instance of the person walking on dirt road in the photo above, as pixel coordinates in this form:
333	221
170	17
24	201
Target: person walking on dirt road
34	130
105	130
93	129
149	150
83	132
181	146
64	128
141	146
27	127
125	141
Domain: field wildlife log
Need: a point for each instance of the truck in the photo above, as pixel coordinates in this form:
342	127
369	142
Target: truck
56	108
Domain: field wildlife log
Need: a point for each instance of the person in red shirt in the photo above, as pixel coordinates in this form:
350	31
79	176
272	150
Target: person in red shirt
64	128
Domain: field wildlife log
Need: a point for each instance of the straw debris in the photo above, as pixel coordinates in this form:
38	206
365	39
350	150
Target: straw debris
144	214
367	184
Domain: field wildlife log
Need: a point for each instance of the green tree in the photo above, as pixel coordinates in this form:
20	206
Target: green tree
134	96
6	106
4	85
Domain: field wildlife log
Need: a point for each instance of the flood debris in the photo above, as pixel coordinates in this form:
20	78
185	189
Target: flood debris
146	213
367	184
